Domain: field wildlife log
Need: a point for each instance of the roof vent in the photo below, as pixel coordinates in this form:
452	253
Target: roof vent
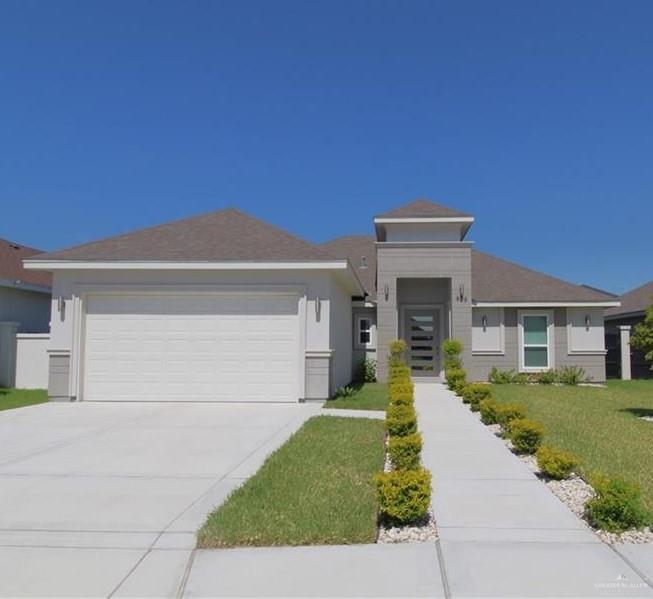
363	264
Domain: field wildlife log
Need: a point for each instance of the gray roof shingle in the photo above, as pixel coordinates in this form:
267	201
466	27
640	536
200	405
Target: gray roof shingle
225	235
354	248
634	301
11	264
421	208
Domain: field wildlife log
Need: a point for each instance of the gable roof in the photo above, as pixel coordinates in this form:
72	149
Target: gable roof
11	265
498	280
354	248
634	301
422	208
225	235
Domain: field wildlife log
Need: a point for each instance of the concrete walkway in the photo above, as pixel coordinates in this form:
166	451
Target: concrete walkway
502	532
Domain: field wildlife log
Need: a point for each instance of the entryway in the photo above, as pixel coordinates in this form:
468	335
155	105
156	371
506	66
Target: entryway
421	331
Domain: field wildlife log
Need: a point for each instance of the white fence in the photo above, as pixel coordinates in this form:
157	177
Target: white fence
23	358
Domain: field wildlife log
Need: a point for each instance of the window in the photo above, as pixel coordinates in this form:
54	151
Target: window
364	331
536	346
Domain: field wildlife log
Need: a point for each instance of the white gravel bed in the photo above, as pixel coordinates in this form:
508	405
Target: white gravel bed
423	532
647	418
574	492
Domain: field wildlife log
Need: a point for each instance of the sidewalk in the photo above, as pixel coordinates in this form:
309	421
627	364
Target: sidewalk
502	532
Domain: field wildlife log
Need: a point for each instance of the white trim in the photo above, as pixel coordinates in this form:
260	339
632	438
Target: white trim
167	265
32	335
597	351
318	353
606	304
550	331
363	304
502	336
433	219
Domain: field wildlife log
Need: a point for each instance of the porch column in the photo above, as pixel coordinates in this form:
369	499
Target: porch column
624	336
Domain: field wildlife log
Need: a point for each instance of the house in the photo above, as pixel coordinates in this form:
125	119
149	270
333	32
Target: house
631	312
226	307
25	295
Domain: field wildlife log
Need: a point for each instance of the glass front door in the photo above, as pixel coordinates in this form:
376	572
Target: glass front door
423	341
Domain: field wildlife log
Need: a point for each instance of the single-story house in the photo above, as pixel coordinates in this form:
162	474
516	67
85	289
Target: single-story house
225	307
25	295
632	311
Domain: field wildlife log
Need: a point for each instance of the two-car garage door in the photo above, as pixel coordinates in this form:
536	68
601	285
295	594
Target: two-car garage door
202	347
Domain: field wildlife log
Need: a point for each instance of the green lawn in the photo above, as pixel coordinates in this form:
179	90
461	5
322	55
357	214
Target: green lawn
368	396
18	398
600	425
315	489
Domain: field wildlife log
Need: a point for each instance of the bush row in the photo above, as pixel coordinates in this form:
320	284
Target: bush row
566	375
404	493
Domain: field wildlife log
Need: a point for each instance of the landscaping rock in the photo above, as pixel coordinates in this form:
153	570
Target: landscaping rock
421	533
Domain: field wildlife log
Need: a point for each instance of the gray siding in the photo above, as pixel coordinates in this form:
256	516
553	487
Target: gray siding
479	366
422	262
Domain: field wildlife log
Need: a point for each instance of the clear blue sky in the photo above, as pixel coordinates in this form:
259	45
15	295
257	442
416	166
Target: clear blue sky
535	116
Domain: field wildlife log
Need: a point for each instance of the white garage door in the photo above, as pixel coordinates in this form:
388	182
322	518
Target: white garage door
191	348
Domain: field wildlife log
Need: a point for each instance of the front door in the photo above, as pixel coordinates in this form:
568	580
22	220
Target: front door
422	336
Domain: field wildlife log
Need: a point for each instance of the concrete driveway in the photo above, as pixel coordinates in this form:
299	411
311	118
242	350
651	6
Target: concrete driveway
103	499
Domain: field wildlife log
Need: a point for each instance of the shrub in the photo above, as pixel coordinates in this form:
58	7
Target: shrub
346	391
400	386
405	451
570	375
617	505
402	398
488	408
526	435
399	373
396	351
452	348
474	393
367	370
400	420
555	463
499	377
508	412
456	379
404	496
548	377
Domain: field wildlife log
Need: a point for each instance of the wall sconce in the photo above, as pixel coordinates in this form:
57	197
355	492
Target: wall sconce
363	264
318	307
461	293
60	304
484	322
386	291
588	320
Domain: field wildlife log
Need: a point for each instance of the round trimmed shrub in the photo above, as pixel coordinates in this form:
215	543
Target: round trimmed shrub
474	393
488	409
555	463
617	505
400	420
526	435
405	451
508	412
404	496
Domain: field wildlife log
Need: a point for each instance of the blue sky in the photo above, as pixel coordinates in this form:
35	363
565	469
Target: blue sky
535	116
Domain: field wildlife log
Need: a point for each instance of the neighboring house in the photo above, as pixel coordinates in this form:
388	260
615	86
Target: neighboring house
25	295
226	307
631	312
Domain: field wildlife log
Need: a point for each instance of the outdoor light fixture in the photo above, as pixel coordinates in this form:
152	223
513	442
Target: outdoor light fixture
386	291
461	293
318	305
587	322
484	321
60	304
363	264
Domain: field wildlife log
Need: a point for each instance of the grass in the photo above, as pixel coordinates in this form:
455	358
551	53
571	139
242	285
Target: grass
19	398
315	489
600	425
367	396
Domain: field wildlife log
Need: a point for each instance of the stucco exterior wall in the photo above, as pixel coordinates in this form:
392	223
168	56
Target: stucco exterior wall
450	262
30	309
479	366
360	353
320	333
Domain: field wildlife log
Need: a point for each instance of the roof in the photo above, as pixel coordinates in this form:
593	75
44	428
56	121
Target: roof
634	301
225	235
493	279
11	265
421	208
498	280
354	248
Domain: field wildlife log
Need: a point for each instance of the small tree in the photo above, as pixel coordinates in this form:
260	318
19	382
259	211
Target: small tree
642	338
396	351
452	348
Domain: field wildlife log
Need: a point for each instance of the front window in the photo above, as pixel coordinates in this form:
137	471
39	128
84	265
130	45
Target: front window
536	341
364	331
